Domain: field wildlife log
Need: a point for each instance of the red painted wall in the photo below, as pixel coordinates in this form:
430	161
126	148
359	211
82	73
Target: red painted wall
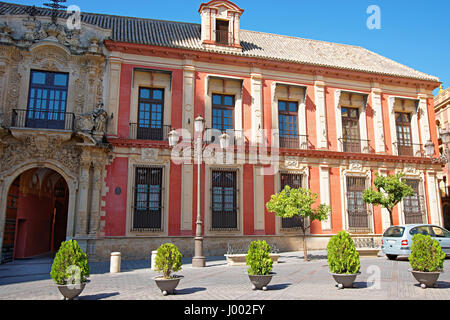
116	204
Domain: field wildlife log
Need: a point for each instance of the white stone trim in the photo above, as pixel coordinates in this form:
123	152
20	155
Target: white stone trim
133	163
207	200
380	143
324	172
321	120
414	124
362	118
355	169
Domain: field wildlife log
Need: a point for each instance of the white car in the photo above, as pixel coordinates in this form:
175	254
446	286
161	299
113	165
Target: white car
397	240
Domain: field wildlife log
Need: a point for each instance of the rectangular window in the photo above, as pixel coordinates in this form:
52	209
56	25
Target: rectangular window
358	215
224	200
292	180
413	205
404	138
222	112
47	100
148	199
150	125
222	34
350	129
288	124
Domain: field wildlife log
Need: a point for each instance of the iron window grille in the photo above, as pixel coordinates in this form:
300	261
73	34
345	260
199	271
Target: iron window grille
414	206
293	180
357	210
148	195
224	200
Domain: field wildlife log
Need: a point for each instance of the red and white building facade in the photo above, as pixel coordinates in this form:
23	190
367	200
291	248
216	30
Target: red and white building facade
325	116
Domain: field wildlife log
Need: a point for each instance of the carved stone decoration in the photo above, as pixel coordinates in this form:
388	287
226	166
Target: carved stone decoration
355	166
291	162
85	122
5	33
100	117
149	154
40	148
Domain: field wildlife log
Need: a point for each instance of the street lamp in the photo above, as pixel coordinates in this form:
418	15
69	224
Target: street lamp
198	260
199	126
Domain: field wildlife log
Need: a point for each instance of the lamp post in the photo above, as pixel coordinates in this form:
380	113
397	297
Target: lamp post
198	261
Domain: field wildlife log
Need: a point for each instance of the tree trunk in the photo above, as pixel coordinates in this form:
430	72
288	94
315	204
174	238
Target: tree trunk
305	248
391	218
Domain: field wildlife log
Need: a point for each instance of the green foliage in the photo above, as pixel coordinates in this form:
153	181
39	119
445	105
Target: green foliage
426	254
258	258
342	255
291	202
70	265
168	259
390	190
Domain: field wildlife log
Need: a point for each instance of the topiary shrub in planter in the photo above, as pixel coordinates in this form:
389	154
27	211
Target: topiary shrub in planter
260	264
70	269
426	260
168	259
343	259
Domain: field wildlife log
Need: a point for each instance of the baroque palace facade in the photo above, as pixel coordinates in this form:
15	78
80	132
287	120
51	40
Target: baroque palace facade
86	114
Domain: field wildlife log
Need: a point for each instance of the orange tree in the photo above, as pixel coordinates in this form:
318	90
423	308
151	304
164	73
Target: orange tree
291	202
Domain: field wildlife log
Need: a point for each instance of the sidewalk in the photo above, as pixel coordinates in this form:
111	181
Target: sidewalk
294	279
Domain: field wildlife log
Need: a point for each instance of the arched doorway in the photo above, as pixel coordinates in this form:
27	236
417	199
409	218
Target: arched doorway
36	214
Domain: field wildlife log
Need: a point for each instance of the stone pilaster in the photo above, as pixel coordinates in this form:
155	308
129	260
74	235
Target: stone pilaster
321	120
378	121
83	197
94	220
325	193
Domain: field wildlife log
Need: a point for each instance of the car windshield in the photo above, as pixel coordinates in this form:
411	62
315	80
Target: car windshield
395	232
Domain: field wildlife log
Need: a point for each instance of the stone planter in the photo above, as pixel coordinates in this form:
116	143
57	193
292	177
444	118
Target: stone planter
70	292
345	280
260	282
426	279
167	286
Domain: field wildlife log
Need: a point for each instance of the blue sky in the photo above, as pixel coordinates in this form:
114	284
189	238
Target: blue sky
414	33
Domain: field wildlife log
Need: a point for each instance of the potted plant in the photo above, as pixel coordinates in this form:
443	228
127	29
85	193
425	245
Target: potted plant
343	259
426	260
168	260
70	269
260	264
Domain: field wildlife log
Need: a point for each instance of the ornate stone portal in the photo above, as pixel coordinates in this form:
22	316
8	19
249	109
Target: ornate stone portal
80	152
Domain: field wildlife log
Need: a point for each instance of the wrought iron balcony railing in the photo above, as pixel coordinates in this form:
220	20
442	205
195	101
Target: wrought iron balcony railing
355	145
409	149
42	119
224	37
294	141
141	132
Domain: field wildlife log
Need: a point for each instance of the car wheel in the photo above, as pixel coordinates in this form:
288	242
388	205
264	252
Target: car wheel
391	256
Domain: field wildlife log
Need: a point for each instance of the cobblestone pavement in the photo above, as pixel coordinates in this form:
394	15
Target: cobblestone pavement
294	279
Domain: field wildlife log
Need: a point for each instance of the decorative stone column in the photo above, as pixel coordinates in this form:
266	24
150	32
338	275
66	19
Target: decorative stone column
83	196
94	221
